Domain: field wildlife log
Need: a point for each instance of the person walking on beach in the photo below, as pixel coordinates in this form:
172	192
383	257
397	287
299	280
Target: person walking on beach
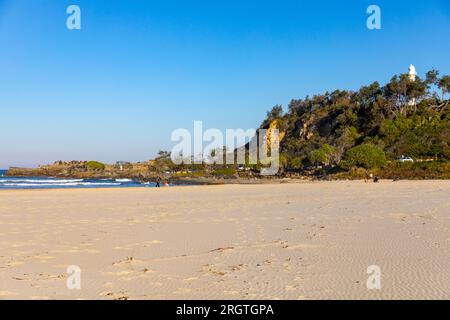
158	182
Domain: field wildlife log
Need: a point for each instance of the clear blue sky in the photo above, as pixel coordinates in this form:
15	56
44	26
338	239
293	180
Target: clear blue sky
137	70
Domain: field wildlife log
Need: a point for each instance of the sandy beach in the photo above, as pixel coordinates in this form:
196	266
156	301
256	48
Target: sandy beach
310	240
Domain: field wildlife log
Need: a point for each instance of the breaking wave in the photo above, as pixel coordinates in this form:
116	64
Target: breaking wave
49	183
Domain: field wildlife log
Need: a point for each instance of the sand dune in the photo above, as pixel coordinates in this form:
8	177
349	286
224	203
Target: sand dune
287	241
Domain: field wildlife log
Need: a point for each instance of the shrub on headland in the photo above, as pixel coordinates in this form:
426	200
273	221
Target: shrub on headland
224	172
367	156
95	166
325	155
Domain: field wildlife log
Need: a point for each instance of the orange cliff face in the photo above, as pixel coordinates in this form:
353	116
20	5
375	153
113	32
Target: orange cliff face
270	133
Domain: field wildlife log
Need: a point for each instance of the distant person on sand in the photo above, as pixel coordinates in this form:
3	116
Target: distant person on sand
158	182
376	180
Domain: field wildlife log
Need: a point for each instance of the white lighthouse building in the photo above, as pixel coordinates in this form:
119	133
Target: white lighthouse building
412	77
412	73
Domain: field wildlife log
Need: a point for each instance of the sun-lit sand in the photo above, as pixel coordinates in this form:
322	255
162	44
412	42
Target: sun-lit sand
286	241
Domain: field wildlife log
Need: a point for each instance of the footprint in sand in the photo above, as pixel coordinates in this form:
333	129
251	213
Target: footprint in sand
190	279
222	249
115	296
127	260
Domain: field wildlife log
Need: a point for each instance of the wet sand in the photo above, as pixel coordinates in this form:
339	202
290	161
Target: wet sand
311	240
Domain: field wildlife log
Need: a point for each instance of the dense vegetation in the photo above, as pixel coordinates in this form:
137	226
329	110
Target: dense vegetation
367	128
95	166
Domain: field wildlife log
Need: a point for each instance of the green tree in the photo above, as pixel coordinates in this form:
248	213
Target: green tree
367	156
326	155
276	113
317	157
444	85
163	162
432	77
332	154
296	163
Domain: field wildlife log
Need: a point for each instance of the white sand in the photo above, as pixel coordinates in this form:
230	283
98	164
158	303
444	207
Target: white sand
288	241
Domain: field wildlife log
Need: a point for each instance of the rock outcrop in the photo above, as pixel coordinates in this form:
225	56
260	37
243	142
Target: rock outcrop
83	170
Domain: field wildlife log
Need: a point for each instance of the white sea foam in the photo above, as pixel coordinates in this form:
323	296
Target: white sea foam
67	184
40	180
124	180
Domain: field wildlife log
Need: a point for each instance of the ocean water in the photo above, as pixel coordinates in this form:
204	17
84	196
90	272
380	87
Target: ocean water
56	183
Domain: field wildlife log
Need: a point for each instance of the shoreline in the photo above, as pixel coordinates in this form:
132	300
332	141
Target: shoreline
352	175
261	182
